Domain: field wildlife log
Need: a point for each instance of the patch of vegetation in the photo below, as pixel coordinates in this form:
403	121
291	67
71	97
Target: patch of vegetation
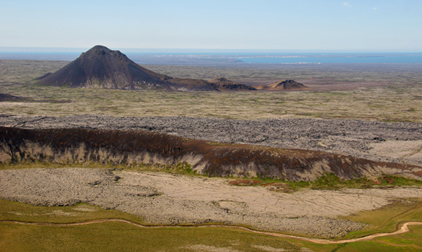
330	181
386	219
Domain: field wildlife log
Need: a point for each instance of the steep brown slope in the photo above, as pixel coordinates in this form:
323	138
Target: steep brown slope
224	84
283	85
136	147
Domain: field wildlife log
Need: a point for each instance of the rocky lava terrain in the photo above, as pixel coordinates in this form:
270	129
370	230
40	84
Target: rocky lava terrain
357	138
221	159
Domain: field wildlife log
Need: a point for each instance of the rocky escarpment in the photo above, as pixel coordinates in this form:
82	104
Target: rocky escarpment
356	138
219	159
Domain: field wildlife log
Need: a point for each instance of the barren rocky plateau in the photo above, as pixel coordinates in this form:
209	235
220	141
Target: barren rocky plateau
395	142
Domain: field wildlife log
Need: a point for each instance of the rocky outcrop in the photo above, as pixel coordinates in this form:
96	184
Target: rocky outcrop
214	159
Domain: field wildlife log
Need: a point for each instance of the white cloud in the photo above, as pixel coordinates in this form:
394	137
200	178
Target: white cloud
375	9
347	4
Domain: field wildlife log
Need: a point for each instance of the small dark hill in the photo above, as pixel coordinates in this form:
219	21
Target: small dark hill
224	84
283	85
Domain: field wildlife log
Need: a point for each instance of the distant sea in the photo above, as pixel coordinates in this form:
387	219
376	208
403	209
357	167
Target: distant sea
232	57
317	58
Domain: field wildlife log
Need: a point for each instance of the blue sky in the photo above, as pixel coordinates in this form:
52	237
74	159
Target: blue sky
285	25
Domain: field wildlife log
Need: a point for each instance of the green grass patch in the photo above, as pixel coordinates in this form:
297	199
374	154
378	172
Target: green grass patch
386	219
123	237
330	181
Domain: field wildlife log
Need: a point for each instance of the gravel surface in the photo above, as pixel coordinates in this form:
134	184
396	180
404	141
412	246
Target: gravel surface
365	139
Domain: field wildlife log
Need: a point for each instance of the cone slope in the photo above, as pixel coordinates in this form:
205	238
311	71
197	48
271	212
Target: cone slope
102	67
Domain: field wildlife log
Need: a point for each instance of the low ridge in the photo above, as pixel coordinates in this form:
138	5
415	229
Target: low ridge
224	84
283	85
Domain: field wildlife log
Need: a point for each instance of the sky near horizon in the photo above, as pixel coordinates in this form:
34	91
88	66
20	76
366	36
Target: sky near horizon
284	25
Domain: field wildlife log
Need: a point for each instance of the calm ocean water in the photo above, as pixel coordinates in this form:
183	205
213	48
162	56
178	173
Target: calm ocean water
257	58
335	58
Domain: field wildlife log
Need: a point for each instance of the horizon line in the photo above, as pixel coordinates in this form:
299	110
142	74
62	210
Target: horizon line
10	49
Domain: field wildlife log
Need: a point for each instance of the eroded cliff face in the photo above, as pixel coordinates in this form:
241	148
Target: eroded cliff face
210	158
